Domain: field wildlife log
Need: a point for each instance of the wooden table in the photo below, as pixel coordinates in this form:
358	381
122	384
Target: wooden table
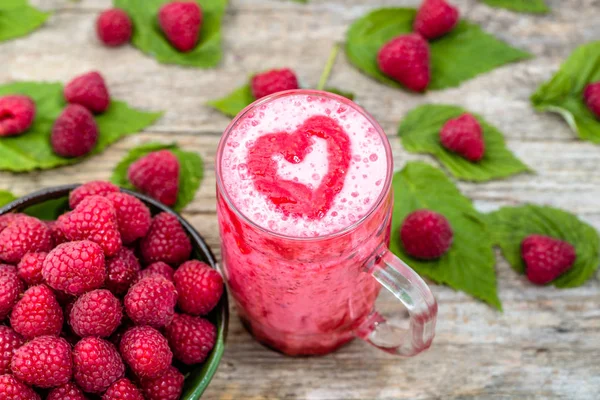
546	344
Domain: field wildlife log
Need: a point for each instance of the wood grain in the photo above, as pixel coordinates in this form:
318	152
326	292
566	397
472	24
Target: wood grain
545	345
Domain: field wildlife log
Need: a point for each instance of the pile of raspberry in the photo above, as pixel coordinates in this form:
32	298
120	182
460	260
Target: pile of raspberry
104	302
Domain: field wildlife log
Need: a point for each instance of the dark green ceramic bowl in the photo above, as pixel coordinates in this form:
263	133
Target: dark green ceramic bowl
49	203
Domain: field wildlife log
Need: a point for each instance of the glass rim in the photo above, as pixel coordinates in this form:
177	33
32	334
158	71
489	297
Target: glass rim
257	103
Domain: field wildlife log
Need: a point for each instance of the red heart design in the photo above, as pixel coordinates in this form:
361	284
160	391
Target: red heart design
294	198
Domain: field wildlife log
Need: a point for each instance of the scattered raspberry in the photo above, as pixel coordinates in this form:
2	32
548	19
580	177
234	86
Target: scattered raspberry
94	188
70	391
93	219
191	338
96	313
273	81
88	90
30	268
180	21
157	175
167	386
464	136
25	234
75	132
123	389
133	217
37	313
12	389
9	342
58	236
157	269
10	289
122	270
426	234
546	258
75	267
16	115
151	301
7	219
97	364
591	96
166	241
199	286
114	27
406	60
435	18
44	362
146	351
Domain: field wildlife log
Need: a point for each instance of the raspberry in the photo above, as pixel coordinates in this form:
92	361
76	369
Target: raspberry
146	351
199	286
151	301
16	115
97	364
10	341
75	267
133	217
157	269
426	234
157	175
546	258
75	132
167	386
166	241
405	59
25	234
90	91
191	338
10	289
591	96
37	313
12	389
7	219
58	236
93	219
114	27
96	313
94	188
273	81
464	136
30	268
435	18
122	270
123	389
180	21
69	391
44	362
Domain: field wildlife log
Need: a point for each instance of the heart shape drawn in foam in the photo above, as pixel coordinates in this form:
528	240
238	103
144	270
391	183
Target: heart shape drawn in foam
294	198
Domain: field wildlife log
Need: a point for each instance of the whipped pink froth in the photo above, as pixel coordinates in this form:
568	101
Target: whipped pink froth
362	184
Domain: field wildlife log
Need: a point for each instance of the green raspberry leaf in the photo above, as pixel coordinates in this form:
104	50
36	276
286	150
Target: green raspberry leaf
32	149
18	18
343	93
149	38
6	197
190	172
49	210
525	6
509	226
234	102
420	130
469	263
460	55
563	93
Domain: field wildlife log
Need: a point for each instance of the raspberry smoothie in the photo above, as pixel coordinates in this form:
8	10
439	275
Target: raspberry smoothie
303	203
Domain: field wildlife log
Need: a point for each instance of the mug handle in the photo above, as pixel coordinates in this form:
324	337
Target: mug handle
408	287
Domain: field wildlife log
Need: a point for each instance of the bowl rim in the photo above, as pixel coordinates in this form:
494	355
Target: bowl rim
214	359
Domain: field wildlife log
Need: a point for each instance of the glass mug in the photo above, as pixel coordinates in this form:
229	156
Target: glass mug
310	294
